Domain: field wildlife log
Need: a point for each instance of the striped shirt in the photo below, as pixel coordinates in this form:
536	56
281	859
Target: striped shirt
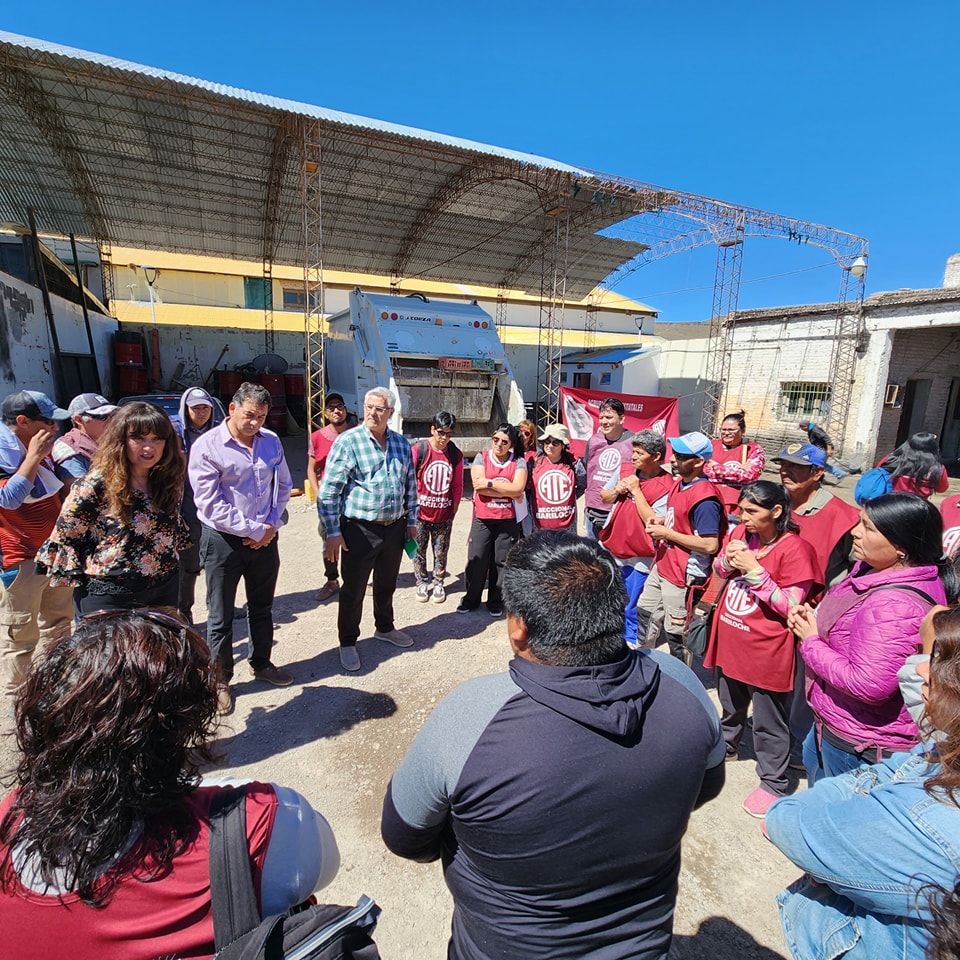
365	482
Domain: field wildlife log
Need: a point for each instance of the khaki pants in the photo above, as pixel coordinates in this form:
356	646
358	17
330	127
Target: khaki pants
31	611
662	606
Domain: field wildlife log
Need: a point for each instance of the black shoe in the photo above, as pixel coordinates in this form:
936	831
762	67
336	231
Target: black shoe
495	609
465	607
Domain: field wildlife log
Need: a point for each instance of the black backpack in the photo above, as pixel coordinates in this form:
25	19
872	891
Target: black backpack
311	932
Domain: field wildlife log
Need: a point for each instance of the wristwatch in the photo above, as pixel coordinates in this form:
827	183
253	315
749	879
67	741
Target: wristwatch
489	484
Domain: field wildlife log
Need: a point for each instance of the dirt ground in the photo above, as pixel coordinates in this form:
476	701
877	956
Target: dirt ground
337	739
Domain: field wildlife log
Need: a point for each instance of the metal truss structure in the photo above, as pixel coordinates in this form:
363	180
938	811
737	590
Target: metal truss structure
311	186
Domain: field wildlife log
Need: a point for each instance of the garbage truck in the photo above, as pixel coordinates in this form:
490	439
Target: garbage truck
433	354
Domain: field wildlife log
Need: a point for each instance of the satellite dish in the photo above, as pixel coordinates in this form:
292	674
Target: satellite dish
269	363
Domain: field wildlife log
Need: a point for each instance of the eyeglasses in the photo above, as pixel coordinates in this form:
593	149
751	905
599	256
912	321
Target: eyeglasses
499	439
379	411
335	406
550	441
445	433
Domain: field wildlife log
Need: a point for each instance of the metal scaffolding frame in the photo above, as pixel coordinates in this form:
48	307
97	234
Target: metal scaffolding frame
848	343
311	191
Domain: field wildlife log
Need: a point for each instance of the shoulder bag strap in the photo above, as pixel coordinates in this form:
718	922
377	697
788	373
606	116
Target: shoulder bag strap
233	898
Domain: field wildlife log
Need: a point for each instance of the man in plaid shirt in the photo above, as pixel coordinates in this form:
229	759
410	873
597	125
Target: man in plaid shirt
368	502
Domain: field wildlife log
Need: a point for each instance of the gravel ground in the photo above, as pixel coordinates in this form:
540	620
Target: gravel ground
337	739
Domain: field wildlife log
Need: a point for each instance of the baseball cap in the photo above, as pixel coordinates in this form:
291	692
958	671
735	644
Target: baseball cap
197	397
33	405
692	444
806	454
331	397
558	431
92	403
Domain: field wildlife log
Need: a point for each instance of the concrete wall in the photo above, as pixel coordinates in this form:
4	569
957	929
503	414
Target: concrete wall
681	370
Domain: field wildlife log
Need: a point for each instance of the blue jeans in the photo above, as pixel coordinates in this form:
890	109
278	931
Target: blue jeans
830	761
633	580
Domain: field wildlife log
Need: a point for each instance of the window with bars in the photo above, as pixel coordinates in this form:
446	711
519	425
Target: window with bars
804	398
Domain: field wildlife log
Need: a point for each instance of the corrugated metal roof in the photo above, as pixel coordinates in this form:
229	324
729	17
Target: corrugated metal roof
144	157
624	355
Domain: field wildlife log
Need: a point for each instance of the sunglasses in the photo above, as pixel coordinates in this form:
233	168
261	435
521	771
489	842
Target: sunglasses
499	440
527	433
550	441
685	456
335	406
444	433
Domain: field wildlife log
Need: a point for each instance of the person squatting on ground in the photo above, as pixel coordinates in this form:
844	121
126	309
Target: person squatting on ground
557	794
873	842
439	466
73	451
321	442
499	478
769	569
734	461
606	452
639	496
368	505
687	537
241	486
863	631
552	482
104	840
32	610
119	534
196	418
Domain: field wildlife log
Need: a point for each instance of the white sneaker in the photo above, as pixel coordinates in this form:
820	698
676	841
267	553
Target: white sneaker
423	592
439	594
397	637
349	659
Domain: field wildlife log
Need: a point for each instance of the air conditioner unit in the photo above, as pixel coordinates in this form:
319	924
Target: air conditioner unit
891	395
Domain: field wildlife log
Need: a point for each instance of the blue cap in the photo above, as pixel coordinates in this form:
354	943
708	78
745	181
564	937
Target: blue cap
33	405
692	444
806	454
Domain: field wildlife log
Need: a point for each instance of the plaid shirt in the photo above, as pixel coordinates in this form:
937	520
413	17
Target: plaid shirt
365	482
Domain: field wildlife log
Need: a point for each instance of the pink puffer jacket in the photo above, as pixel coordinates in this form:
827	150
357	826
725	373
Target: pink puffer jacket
862	642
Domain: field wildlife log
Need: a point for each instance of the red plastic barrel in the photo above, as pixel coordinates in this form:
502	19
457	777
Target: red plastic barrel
128	354
278	391
228	382
132	379
277	420
294	384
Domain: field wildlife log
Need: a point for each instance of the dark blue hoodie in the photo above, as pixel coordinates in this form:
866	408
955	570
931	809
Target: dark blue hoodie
557	798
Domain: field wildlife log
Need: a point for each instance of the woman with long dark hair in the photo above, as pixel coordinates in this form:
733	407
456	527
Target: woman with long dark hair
104	840
864	630
119	534
874	841
499	477
915	466
769	570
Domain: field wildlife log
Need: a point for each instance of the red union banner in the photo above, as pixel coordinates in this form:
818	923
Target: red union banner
581	409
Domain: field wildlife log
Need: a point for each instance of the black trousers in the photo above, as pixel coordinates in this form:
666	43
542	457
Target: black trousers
369	547
490	542
771	728
85	600
226	560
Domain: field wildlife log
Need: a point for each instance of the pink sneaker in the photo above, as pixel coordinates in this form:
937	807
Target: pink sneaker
759	802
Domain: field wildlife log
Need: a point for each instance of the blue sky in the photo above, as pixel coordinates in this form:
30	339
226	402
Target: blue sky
844	115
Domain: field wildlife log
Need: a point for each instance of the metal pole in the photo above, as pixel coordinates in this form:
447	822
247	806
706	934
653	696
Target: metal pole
86	315
58	377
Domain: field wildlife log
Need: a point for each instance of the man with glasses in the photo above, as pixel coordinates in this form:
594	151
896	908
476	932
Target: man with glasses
73	451
335	413
31	611
439	466
368	506
687	538
241	486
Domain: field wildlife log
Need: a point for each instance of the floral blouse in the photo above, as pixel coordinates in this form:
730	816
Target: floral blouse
87	542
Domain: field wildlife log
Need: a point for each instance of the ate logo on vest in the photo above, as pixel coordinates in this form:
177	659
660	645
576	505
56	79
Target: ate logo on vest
555	486
951	539
738	600
436	478
609	460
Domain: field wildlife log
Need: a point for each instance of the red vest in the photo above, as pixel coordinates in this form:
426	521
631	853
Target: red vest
824	528
625	533
495	508
435	476
603	462
730	492
554	500
169	916
950	510
671	558
748	641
